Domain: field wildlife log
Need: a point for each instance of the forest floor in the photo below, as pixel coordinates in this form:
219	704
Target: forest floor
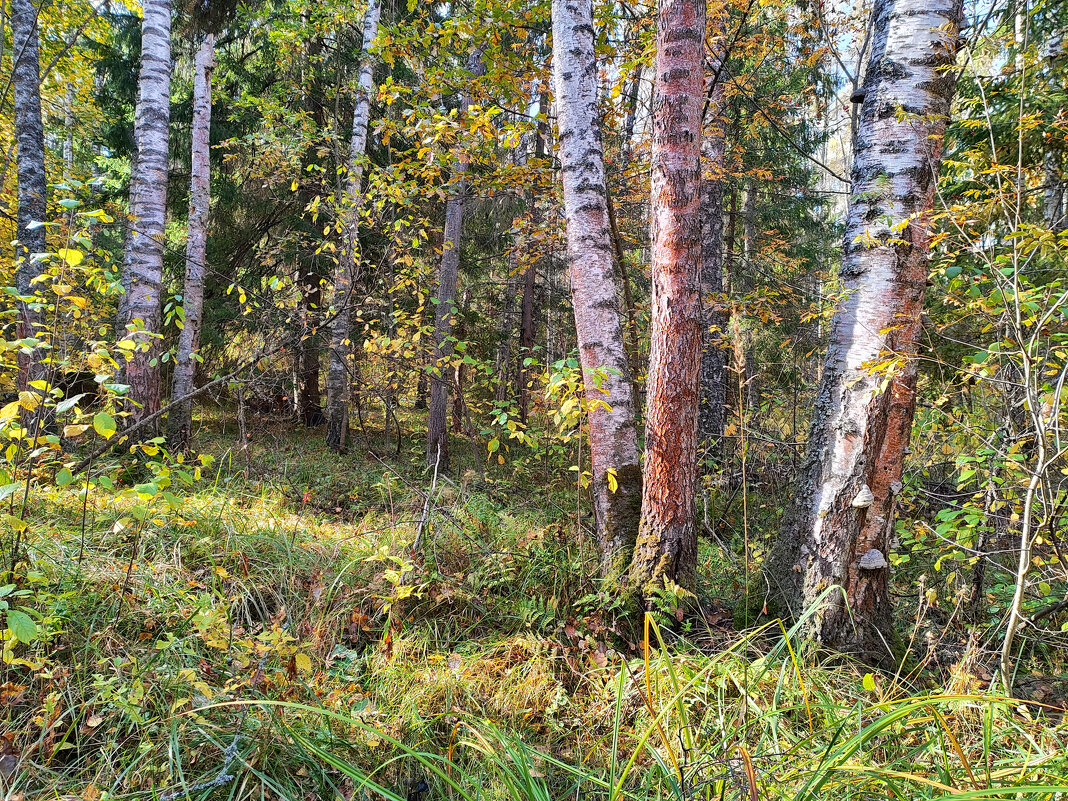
275	637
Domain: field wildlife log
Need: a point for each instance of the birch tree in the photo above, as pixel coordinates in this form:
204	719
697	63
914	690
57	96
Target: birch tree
666	551
180	417
339	376
142	263
32	198
437	440
840	527
609	392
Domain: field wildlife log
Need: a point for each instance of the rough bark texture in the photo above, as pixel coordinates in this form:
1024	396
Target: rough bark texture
180	418
839	530
712	416
142	263
606	373
437	441
339	373
32	188
666	550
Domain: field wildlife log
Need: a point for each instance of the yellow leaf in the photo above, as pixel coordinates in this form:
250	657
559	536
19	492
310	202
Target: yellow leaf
303	662
72	257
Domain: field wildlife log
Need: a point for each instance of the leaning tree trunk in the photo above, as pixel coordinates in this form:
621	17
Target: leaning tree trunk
142	263
666	552
339	373
839	529
606	373
712	415
32	189
180	417
437	440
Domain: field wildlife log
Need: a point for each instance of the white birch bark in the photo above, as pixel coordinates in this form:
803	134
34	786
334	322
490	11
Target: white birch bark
32	192
841	525
142	263
613	437
338	378
180	418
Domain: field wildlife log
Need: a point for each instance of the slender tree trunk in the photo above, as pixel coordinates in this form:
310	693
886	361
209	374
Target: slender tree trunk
32	196
1053	206
309	399
712	416
142	263
68	129
747	274
180	418
606	373
527	332
437	443
506	327
839	529
339	375
666	551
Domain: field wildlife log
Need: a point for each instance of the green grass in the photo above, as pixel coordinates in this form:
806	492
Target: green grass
277	641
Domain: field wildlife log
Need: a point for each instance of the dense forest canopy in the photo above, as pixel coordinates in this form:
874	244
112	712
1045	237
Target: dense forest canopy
533	399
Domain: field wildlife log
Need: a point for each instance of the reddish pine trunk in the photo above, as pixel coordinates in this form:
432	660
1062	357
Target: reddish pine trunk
839	530
666	551
609	392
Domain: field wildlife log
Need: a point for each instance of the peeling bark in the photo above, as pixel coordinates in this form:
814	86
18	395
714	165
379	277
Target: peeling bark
180	418
339	372
666	551
844	504
142	263
606	373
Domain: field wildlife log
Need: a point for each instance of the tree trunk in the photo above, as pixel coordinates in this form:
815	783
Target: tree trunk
142	263
606	373
506	326
437	441
180	418
339	375
666	551
309	399
32	196
527	331
838	532
712	416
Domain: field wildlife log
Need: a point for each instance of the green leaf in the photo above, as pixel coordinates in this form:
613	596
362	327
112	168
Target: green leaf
953	271
69	203
9	489
68	404
22	625
104	424
64	478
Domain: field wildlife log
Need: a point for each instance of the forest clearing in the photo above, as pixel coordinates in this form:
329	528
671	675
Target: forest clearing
534	400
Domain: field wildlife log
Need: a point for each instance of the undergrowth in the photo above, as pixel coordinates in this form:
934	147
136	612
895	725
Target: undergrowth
276	638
